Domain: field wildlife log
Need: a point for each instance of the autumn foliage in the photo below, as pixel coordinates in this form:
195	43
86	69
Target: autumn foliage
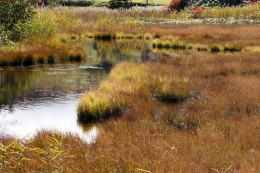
197	10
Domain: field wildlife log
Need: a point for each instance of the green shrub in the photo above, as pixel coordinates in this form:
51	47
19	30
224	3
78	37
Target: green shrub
215	49
178	46
232	49
40	25
119	4
4	36
159	46
202	49
13	12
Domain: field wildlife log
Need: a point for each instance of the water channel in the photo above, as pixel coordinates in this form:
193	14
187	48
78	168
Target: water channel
36	98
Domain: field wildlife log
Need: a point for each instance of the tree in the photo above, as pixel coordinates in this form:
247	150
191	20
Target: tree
12	12
119	4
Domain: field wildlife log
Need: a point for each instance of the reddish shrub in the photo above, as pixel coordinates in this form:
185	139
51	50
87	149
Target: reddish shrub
197	11
254	1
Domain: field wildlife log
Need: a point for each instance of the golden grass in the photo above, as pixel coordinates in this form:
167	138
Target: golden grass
128	84
225	106
216	129
250	11
54	49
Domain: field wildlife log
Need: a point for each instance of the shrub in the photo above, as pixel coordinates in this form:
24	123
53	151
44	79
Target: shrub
13	12
119	4
196	6
215	49
254	1
232	49
4	36
196	11
40	25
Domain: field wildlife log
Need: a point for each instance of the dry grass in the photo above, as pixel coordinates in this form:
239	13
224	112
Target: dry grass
211	34
215	130
250	11
225	103
54	50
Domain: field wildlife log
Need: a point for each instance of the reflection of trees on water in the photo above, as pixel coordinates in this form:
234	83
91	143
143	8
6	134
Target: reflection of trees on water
13	86
27	87
117	51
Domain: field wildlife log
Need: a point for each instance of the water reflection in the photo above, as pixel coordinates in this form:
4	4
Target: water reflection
117	51
47	98
44	99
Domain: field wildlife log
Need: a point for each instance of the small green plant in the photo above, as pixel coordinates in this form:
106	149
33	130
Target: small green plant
232	49
179	46
202	49
159	46
215	49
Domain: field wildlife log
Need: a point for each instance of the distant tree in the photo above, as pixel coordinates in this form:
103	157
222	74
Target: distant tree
119	4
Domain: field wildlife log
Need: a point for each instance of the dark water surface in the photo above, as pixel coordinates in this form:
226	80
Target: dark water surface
46	97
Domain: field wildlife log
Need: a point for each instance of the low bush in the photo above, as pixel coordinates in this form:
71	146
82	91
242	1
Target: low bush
119	4
11	13
196	6
232	49
41	25
215	49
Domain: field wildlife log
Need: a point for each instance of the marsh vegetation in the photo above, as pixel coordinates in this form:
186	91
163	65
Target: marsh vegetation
153	96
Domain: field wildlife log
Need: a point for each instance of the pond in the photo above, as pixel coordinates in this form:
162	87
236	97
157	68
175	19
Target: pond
36	98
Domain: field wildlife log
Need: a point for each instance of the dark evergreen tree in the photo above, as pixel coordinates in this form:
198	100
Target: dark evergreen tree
119	4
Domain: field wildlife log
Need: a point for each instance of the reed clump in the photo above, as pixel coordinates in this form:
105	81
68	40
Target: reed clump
54	51
97	107
127	85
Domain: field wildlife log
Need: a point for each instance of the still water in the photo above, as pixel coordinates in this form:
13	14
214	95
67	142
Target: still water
46	97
